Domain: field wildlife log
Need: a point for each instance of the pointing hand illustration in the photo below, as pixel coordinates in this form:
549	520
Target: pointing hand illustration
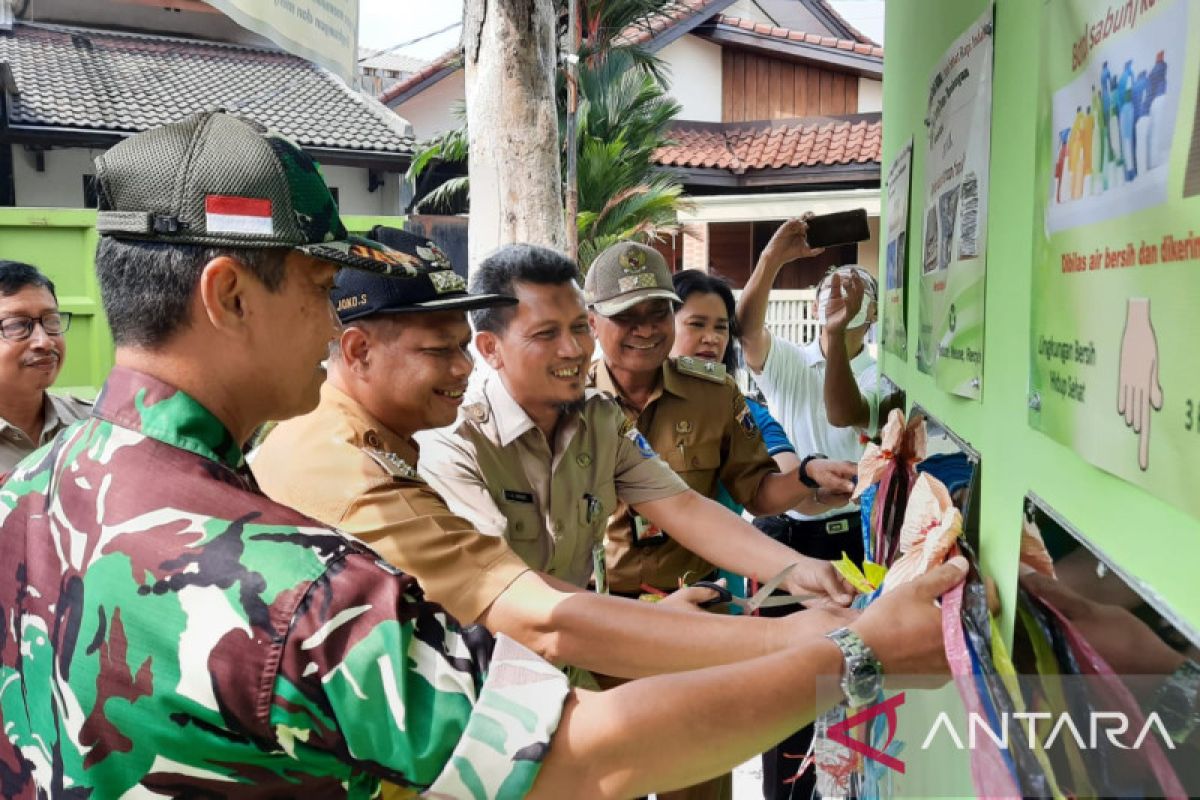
1139	392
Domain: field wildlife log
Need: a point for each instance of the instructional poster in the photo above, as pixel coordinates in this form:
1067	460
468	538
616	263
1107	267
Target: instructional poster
954	241
1116	284
894	309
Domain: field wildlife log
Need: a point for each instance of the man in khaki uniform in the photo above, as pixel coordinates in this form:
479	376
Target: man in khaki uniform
536	458
32	349
691	413
400	367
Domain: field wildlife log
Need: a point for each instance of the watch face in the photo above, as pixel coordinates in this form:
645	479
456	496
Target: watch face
865	678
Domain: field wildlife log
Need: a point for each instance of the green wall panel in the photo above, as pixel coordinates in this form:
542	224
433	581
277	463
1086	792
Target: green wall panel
1155	542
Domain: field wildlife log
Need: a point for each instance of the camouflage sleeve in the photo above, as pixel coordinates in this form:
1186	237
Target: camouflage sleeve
373	674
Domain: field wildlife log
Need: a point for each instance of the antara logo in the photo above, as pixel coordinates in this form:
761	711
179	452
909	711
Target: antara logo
839	732
1111	723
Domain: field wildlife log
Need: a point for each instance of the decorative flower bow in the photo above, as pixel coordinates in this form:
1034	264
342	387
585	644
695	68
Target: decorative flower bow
897	440
927	536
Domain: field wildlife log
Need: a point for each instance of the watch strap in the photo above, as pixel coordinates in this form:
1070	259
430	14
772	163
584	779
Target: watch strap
802	472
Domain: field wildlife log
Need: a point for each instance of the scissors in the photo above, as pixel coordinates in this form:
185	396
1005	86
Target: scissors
761	599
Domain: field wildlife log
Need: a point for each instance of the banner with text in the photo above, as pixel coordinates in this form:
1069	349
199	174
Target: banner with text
322	31
1115	322
953	262
895	308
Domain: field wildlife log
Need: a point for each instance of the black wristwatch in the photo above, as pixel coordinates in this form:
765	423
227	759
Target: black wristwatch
862	678
802	473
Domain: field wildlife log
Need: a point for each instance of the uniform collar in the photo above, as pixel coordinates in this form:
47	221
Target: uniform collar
510	420
155	409
602	379
364	430
52	418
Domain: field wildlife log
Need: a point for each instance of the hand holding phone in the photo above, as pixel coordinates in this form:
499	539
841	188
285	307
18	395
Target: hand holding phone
841	227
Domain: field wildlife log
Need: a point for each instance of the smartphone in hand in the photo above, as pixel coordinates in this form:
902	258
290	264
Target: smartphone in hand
841	227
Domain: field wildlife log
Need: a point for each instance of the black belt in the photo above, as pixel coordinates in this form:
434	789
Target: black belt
841	523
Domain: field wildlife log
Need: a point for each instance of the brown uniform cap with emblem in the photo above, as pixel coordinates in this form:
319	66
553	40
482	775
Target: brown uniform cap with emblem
626	274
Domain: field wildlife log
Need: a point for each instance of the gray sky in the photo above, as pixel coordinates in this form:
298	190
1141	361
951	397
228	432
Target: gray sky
383	23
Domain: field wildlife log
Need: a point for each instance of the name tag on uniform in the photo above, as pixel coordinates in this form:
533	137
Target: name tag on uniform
511	496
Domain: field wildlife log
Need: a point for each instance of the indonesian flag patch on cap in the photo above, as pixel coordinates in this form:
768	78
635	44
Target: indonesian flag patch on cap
228	214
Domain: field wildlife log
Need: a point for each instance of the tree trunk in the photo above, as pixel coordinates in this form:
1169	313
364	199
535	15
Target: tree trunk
509	57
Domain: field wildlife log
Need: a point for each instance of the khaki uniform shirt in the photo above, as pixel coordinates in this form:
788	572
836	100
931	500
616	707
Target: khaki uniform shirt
698	422
550	500
59	413
341	466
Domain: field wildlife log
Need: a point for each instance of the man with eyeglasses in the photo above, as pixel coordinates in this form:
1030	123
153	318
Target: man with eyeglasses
32	349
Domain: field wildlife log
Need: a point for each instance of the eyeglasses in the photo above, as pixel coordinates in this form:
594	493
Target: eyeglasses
18	329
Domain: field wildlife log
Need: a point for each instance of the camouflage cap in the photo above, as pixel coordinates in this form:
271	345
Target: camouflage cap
220	180
624	275
430	283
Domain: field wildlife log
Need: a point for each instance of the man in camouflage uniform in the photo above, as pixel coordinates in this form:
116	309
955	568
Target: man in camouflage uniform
169	630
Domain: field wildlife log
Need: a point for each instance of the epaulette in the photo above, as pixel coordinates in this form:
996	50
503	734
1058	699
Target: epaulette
476	412
393	464
699	368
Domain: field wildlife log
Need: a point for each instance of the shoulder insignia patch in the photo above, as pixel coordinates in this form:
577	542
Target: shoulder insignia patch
639	441
699	368
745	421
393	464
476	412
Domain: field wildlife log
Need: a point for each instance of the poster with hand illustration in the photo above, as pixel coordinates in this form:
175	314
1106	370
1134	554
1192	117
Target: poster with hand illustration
953	264
1115	322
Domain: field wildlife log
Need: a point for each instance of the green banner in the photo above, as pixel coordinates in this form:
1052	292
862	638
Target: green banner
1116	262
894	309
953	263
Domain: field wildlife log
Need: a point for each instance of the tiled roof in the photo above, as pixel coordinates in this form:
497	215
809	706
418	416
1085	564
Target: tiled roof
121	82
783	34
379	59
400	92
671	15
777	144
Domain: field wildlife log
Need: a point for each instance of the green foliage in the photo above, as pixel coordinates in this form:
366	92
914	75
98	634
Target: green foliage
623	116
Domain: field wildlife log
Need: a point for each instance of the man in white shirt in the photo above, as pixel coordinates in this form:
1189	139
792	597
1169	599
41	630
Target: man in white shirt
824	395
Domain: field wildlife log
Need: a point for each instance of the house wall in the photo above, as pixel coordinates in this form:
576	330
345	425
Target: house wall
61	184
870	95
695	75
758	87
430	112
353	197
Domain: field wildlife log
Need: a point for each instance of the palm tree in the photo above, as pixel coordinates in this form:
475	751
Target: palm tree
623	116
